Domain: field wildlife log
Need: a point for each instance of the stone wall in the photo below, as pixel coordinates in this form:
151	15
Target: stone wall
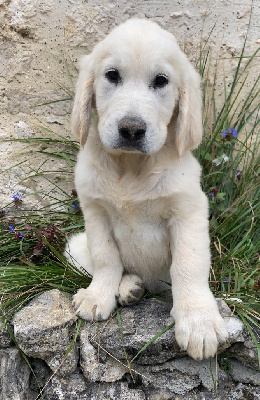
78	360
41	41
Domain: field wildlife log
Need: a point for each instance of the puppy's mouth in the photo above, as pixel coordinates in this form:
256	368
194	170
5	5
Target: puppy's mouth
130	146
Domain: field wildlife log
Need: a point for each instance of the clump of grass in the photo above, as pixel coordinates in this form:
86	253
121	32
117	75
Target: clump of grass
229	155
32	242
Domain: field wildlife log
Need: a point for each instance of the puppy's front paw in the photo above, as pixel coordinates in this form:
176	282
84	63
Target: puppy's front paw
131	289
199	330
93	305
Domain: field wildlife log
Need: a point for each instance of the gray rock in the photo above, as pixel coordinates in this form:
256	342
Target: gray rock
244	392
234	325
207	370
41	375
181	376
95	367
44	329
5	338
243	374
140	323
245	352
167	379
76	387
14	375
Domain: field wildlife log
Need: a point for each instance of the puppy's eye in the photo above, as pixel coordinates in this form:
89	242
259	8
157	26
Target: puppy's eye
113	76
160	81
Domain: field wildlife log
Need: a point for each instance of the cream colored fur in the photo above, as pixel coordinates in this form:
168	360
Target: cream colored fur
146	216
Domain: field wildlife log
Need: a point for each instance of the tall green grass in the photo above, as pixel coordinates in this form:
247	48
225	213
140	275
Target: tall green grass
32	241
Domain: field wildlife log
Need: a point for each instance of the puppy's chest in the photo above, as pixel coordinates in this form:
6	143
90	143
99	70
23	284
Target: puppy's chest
139	222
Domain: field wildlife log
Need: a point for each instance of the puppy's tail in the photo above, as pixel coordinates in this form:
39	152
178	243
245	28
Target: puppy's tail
76	252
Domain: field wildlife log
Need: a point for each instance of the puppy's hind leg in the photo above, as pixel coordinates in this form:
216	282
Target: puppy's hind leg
131	289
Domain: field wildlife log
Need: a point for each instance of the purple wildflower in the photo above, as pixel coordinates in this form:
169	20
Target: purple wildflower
19	235
229	134
238	174
11	229
227	280
214	192
234	132
17	197
225	133
75	207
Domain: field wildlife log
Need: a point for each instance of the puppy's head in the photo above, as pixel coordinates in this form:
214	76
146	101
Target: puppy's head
143	88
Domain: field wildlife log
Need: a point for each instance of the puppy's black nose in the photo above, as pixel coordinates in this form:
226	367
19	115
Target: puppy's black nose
132	128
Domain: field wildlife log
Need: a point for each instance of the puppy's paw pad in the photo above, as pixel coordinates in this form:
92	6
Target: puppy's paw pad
131	289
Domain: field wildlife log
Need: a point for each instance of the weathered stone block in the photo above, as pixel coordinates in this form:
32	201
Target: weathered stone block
5	338
76	387
140	323
97	367
241	373
44	329
14	375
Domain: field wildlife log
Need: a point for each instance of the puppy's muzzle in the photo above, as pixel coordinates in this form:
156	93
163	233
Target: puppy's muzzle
131	130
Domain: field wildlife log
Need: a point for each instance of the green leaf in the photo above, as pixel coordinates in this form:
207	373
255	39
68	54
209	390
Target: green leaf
208	157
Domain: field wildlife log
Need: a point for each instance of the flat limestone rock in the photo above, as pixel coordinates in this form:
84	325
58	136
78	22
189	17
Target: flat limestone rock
44	329
141	323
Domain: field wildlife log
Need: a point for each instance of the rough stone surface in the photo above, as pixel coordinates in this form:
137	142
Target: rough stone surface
77	388
5	339
96	366
245	351
235	326
241	373
168	379
14	375
44	329
139	326
41	375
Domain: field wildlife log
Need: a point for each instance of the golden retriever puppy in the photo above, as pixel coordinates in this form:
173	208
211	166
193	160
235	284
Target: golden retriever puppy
146	216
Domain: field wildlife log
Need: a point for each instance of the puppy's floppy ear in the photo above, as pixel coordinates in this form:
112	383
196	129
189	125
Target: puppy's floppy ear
189	120
81	112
